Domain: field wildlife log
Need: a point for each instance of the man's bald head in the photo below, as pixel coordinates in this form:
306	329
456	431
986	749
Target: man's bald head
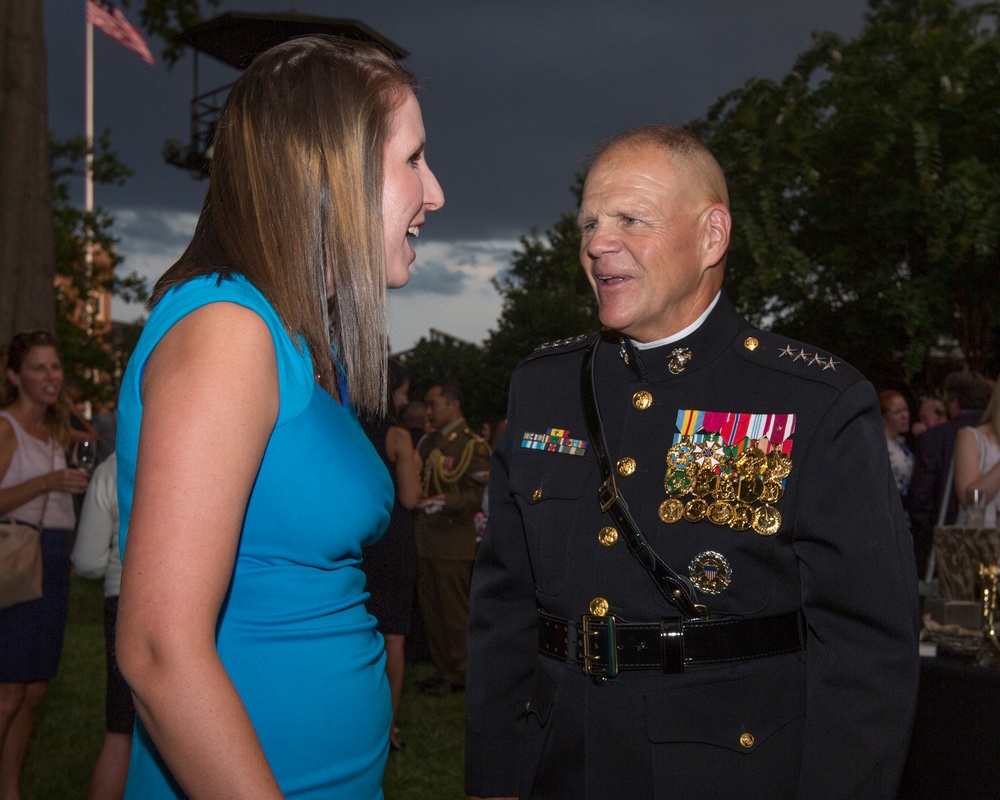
683	148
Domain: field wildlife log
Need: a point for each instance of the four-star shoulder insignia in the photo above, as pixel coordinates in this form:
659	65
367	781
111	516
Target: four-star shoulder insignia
808	359
562	342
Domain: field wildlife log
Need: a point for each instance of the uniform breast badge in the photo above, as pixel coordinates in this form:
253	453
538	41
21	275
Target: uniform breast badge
710	572
728	468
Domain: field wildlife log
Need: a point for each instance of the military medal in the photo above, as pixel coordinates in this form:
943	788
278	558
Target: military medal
671	510
720	512
695	510
766	520
730	481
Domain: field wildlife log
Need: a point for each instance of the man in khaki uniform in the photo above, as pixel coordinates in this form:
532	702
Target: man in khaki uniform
456	465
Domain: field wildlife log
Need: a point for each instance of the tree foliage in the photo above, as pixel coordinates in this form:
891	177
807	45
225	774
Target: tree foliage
87	348
546	296
866	189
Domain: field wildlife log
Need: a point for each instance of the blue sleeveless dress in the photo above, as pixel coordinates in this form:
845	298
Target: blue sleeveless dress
293	631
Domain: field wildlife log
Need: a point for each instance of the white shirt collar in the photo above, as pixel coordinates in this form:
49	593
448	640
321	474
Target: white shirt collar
680	334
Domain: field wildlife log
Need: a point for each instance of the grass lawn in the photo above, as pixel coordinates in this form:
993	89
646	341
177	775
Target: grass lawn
71	722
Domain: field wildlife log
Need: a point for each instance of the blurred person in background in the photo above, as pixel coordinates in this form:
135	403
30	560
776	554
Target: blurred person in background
96	556
977	460
966	395
896	422
36	488
930	414
390	564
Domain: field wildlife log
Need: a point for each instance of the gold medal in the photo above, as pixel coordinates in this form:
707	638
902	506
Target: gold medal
751	463
695	510
773	490
766	520
671	510
749	490
725	488
720	512
779	465
710	572
742	517
705	483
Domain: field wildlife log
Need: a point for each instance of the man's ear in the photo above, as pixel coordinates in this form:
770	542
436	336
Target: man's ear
717	224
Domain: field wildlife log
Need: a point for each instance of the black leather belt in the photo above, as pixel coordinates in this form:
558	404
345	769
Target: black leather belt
605	646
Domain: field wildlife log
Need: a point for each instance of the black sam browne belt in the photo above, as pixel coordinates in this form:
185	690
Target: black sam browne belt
605	646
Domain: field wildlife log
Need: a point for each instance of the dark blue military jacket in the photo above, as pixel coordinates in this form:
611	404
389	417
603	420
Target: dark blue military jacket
826	535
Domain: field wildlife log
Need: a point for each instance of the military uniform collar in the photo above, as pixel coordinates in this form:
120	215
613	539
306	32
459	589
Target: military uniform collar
687	354
451	427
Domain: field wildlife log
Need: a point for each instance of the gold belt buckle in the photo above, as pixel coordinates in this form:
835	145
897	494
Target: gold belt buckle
596	663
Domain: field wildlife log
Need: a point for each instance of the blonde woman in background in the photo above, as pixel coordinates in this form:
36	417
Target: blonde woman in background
977	460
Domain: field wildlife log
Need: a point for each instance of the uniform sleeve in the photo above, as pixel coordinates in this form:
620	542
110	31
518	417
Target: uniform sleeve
859	595
503	639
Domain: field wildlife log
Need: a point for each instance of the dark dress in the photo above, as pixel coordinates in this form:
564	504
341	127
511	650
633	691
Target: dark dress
391	563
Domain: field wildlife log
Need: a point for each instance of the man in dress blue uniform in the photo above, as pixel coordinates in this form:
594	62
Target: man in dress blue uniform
769	647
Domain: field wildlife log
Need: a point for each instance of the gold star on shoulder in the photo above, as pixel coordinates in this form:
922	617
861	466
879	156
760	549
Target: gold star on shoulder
786	351
831	364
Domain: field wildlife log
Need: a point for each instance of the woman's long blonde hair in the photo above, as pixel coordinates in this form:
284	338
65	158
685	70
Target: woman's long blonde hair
296	192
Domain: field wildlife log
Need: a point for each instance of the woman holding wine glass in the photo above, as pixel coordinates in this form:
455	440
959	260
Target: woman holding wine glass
36	487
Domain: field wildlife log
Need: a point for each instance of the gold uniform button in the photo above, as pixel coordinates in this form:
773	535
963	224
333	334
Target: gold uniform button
626	466
642	400
536	495
527	706
746	740
750	344
607	536
599	607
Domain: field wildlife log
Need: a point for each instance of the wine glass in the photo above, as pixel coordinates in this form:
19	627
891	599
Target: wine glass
83	455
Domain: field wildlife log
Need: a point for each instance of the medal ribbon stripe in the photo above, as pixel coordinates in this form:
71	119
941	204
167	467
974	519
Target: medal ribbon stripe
737	430
556	440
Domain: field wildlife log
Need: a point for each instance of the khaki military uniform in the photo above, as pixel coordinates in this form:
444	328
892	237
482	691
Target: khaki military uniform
446	542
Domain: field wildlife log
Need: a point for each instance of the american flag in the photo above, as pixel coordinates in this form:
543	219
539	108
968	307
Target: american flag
110	19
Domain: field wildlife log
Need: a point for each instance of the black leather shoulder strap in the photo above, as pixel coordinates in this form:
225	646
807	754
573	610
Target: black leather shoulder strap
677	590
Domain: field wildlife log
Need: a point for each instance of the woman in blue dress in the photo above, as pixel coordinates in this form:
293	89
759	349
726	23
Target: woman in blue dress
247	487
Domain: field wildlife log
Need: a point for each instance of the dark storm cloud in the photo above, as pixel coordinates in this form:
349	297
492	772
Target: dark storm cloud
516	92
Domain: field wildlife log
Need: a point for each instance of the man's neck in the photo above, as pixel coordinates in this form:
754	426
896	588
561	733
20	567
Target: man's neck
452	426
681	334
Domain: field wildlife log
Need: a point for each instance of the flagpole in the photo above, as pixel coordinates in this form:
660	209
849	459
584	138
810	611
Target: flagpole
88	177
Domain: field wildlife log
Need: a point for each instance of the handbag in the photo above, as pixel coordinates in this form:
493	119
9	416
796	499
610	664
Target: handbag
20	563
21	558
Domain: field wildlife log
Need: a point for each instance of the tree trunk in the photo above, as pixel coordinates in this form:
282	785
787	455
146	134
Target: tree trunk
27	251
